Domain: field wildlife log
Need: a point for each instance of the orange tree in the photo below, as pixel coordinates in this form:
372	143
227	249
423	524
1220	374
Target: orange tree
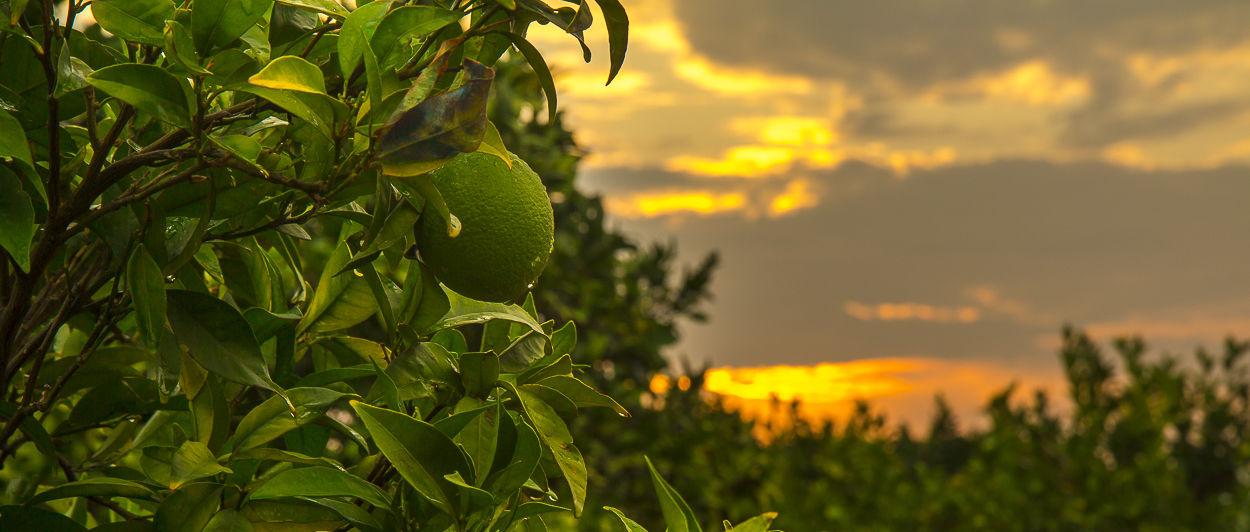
215	313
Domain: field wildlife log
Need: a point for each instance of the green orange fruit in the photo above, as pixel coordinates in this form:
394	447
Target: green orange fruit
507	227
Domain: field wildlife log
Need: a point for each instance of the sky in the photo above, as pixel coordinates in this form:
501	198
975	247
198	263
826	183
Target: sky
934	186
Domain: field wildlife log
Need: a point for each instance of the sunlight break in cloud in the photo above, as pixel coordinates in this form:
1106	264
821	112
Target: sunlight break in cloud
743	161
1032	82
653	204
787	129
750	202
736	81
798	195
910	312
902	387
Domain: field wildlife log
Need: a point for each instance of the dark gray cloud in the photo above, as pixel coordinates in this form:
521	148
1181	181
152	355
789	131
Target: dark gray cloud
920	42
1103	125
1080	242
912	45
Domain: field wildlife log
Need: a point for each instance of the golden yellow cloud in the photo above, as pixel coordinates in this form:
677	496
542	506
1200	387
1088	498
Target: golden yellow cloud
749	201
798	195
911	312
735	81
1032	83
744	161
653	204
787	130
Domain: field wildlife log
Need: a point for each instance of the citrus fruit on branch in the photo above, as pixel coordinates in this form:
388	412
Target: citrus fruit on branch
507	227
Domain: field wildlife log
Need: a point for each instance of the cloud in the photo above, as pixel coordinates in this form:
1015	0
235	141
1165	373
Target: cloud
798	195
1032	244
748	202
911	311
914	43
676	202
1031	82
1059	78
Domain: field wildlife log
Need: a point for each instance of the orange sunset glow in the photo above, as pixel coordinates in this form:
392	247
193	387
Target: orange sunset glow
904	388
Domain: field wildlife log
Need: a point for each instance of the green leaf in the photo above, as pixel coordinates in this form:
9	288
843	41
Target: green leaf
33	430
321	482
189	508
243	147
148	88
535	59
480	436
17	214
563	406
291	515
28	519
677	514
582	394
316	109
13	142
409	22
617	22
398	225
218	22
630	525
247	272
564	340
328	7
516	456
279	455
147	291
126	526
359	348
759	523
434	303
532	524
193	461
492	143
464	311
421	186
332	375
426	365
384	387
355	515
218	338
440	127
71	72
210	414
355	33
472	497
478	372
532	508
555	436
523	351
229	521
92	487
141	21
291	73
340	301
271	418
421	454
180	49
